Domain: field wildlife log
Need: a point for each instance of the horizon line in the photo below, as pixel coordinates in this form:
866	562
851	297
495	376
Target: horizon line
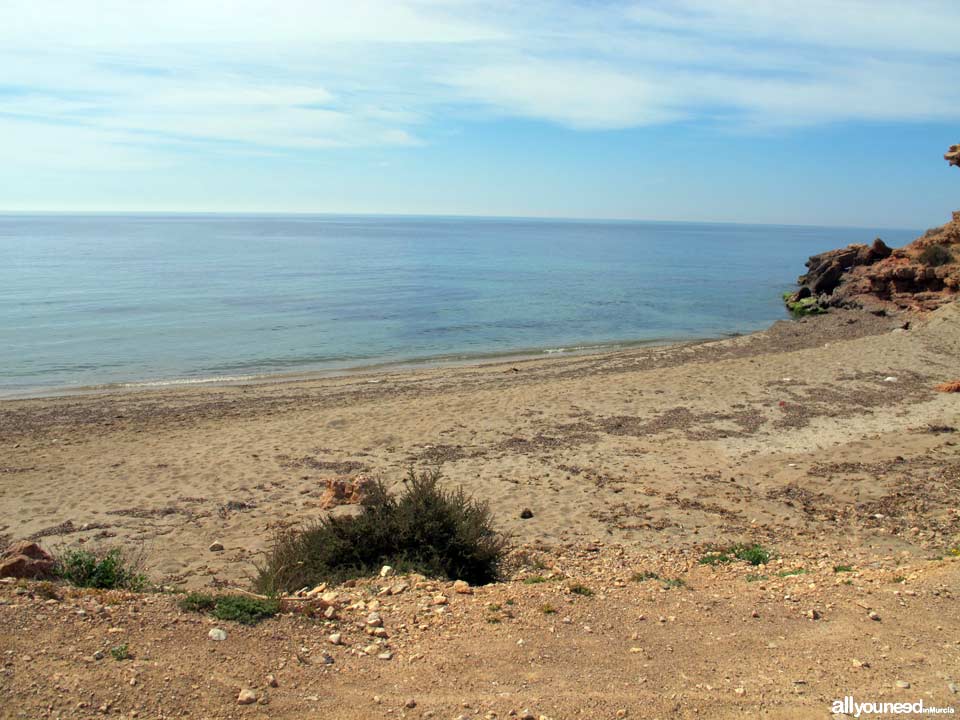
457	216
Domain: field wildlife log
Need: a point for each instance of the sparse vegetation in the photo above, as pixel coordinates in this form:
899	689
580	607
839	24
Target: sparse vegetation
842	568
548	609
426	529
109	569
674	583
752	577
120	652
791	573
752	554
644	576
534	580
243	609
582	590
936	255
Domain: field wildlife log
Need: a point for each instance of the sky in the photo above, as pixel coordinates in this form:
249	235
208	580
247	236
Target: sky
817	112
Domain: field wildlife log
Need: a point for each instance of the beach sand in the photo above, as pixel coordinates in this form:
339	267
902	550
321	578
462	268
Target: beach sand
767	435
822	439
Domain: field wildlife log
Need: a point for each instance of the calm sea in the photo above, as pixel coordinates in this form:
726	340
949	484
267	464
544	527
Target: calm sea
105	299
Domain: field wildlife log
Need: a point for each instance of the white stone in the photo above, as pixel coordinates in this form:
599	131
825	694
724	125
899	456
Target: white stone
217	634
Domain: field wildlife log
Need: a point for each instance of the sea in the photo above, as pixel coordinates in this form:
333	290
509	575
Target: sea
100	301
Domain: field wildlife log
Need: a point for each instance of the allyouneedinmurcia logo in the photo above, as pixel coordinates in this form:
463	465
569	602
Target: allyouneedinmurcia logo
850	707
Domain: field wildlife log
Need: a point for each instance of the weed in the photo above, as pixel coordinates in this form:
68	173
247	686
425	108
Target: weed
121	652
756	578
243	609
936	255
548	609
583	590
425	529
753	554
106	569
842	568
644	576
791	573
534	580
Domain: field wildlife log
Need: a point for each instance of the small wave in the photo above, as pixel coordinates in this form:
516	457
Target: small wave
187	381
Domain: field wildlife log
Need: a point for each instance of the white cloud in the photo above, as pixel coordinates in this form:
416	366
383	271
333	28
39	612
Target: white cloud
275	75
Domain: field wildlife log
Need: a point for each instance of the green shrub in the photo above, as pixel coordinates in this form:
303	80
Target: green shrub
791	573
842	568
104	569
238	608
548	609
579	589
534	580
426	529
936	255
121	652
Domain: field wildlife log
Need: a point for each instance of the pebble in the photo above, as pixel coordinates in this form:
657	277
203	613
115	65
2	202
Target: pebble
217	634
386	571
954	688
272	681
526	514
336	639
902	684
873	616
374	620
216	547
246	697
410	704
440	600
326	658
386	655
462	587
813	614
860	664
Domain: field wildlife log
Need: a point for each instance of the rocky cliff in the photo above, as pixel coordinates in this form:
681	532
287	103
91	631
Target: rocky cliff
920	276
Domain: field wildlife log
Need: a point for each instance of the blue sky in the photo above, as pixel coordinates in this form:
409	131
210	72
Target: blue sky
796	111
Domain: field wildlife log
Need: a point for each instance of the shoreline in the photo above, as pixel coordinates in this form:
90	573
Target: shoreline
373	368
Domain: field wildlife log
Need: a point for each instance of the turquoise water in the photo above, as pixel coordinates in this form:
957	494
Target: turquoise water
94	300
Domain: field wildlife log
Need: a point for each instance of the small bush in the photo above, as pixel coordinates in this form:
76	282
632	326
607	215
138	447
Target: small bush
237	608
583	590
104	569
752	577
548	609
936	255
534	580
644	576
842	568
426	529
120	652
674	583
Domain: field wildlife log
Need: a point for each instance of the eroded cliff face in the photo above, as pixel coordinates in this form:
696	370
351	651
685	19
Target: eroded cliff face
921	276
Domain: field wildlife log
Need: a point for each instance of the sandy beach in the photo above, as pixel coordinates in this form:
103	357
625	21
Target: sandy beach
767	435
822	439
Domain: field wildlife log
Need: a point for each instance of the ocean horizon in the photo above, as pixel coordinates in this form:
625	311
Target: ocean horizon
96	300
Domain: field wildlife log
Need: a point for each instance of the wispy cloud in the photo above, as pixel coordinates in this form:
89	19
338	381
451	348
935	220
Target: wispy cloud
132	81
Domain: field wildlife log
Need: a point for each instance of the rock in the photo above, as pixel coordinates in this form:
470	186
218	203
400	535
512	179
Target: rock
439	600
387	571
349	491
953	687
952	156
272	681
410	704
860	664
336	639
217	634
386	655
813	614
246	697
873	615
462	587
880	279
326	658
26	559
526	514
216	547
902	684
374	620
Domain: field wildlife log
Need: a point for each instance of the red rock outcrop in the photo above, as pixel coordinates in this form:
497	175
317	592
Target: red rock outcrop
921	276
952	156
346	491
26	559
